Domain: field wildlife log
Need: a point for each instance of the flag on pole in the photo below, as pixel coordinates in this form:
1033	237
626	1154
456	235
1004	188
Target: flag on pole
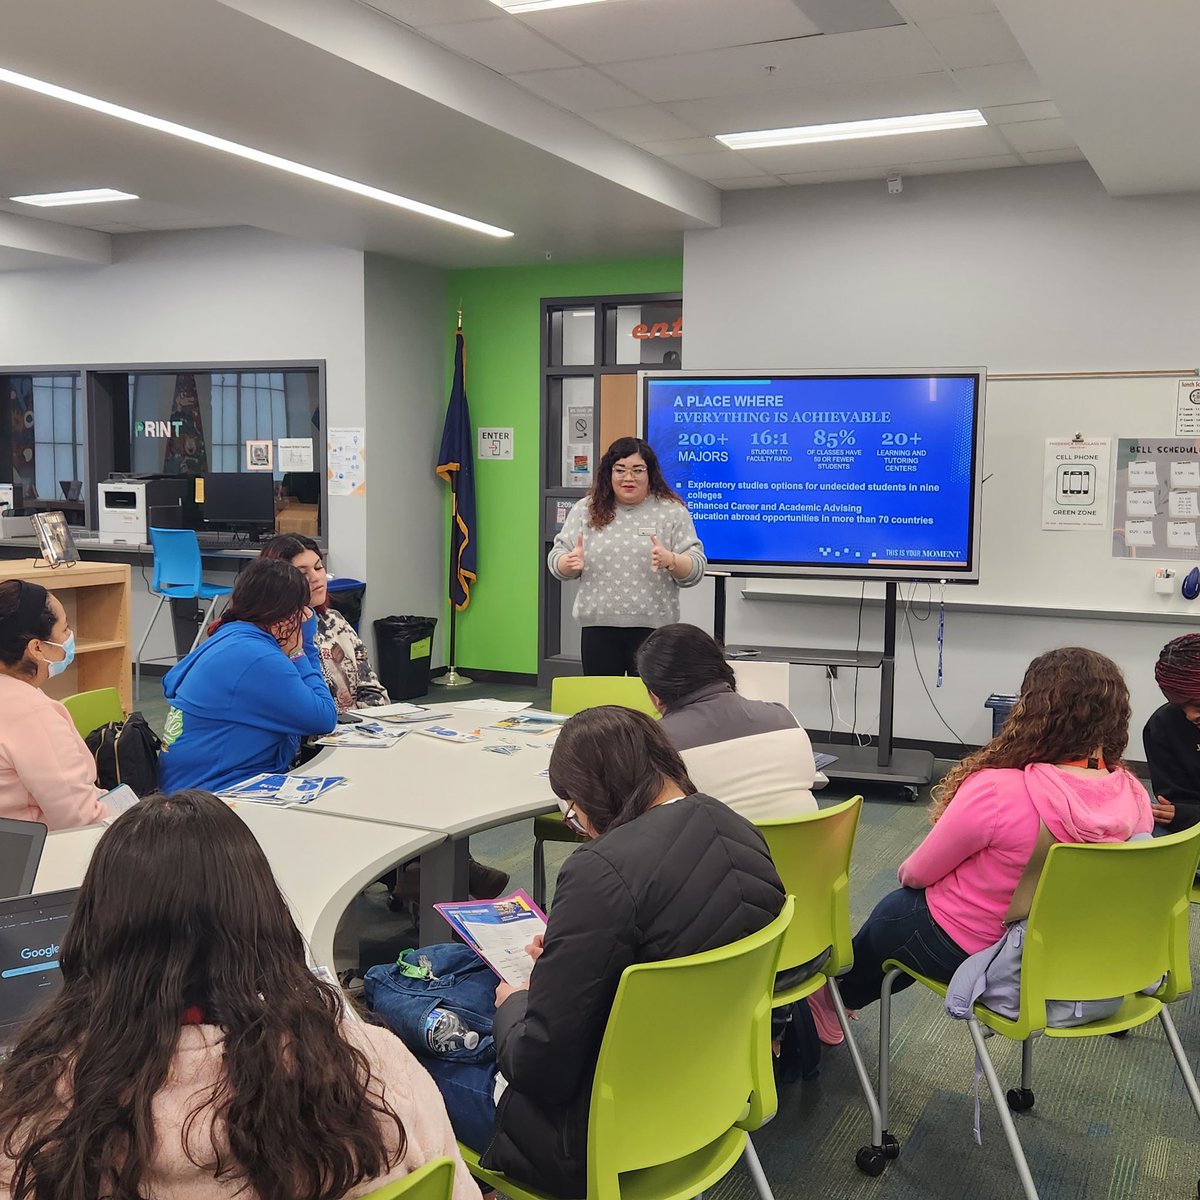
456	465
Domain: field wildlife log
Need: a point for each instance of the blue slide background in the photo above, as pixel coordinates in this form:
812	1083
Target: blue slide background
818	444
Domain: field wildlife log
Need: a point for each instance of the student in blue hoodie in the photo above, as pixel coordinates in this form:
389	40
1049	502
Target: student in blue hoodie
243	699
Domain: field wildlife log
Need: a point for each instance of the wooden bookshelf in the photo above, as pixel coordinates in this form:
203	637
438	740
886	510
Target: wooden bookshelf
96	597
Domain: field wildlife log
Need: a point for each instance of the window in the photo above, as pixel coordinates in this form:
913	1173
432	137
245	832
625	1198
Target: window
57	406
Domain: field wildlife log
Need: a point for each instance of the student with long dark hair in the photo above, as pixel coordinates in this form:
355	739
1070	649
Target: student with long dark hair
190	1053
1057	762
344	659
754	756
632	545
243	699
665	872
47	774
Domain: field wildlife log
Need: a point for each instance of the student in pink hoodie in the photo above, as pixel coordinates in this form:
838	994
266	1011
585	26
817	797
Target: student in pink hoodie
190	1053
1057	762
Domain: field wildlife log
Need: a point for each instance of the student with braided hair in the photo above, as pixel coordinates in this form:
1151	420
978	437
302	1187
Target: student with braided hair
1172	737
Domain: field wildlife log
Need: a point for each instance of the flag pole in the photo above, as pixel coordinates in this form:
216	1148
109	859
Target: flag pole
452	678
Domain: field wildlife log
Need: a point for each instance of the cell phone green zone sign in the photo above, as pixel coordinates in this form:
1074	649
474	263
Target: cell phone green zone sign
421	649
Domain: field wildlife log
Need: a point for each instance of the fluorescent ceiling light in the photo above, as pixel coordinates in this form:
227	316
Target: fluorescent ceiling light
846	131
248	152
62	199
526	6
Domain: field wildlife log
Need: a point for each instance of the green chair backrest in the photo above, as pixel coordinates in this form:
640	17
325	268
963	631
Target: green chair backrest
573	693
812	855
1107	920
90	710
686	1057
433	1181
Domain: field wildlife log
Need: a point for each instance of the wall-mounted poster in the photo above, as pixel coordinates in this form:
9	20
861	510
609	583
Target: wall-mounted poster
1075	483
1156	499
260	455
577	445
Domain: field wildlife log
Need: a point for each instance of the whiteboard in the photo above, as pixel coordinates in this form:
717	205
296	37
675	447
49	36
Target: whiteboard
1023	566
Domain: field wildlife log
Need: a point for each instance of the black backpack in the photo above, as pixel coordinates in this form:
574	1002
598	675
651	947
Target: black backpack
126	752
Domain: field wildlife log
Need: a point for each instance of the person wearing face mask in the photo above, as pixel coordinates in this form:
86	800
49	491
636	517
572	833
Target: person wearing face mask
47	774
344	658
632	545
243	699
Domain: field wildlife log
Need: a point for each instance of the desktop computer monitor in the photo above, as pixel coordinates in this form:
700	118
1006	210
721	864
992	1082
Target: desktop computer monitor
235	500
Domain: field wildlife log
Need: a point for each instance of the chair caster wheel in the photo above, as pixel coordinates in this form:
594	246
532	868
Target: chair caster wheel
871	1160
891	1147
909	794
1019	1099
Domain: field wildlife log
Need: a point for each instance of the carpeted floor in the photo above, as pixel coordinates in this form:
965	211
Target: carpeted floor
1112	1121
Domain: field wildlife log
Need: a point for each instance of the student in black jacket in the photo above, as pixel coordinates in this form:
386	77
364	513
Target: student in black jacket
666	872
1172	737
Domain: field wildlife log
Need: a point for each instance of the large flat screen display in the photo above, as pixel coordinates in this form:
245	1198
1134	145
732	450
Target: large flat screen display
838	474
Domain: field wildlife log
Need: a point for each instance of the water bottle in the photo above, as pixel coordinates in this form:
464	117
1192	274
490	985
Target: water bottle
446	1032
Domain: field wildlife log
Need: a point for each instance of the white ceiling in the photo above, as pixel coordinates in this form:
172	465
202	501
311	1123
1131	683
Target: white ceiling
588	131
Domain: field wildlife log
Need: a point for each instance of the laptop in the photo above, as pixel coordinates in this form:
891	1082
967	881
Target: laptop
31	933
21	845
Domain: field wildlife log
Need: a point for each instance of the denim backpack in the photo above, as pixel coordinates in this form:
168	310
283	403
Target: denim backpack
450	976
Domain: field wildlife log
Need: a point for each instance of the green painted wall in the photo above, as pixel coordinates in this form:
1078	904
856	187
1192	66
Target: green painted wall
501	320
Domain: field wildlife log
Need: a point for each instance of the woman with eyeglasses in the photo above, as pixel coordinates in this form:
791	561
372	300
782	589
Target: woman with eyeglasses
665	872
632	545
47	773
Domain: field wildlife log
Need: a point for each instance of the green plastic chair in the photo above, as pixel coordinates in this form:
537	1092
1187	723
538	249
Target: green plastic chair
90	710
812	855
570	694
684	1072
433	1181
1106	920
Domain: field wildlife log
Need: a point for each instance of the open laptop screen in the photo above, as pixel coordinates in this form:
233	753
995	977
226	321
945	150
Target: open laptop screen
31	933
21	845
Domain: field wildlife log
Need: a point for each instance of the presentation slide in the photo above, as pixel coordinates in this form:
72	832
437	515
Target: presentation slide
862	474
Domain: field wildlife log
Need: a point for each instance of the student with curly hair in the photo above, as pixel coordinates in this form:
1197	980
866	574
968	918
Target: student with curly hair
632	545
1056	762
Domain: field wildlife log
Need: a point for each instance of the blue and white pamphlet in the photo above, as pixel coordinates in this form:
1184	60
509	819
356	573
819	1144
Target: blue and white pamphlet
498	931
283	790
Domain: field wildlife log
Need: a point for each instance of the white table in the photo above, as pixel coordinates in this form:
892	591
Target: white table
321	862
451	788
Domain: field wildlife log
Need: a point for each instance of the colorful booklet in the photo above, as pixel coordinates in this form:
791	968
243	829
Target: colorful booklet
498	931
283	790
362	733
445	734
531	722
422	714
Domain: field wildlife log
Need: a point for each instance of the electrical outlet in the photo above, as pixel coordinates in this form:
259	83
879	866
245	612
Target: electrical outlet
831	672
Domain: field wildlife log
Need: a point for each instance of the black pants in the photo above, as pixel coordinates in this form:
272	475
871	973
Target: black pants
903	928
609	650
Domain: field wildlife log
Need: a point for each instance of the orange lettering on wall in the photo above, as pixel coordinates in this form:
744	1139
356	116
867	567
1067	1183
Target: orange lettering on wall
660	329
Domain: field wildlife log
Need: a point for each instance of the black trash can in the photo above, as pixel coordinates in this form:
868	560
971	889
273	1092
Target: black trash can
403	650
346	595
1001	704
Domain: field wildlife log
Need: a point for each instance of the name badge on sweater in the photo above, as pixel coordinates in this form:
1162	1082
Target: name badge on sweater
650	532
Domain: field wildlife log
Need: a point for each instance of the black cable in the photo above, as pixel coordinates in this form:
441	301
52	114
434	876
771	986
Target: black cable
829	685
862	596
912	641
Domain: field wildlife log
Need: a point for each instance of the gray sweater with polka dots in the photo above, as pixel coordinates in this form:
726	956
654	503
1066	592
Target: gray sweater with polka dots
619	585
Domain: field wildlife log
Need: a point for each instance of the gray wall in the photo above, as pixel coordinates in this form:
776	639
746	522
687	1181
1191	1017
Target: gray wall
406	339
1030	269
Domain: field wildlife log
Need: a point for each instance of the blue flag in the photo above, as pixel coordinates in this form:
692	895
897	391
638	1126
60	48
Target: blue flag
456	465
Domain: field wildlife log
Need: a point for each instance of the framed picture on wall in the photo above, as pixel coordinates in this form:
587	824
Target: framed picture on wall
260	456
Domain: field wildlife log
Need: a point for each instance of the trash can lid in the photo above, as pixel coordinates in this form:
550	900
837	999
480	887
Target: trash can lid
343	583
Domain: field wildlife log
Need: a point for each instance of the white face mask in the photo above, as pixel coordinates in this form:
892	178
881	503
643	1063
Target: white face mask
68	649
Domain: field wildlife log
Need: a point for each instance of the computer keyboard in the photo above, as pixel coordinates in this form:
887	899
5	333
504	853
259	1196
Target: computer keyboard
225	540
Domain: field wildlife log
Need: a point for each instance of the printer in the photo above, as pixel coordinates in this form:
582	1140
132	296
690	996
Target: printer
125	504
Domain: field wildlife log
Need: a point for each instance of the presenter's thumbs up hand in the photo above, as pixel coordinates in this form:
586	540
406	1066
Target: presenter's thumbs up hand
571	563
661	559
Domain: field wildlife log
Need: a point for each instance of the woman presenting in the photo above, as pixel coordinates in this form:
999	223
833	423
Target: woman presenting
632	545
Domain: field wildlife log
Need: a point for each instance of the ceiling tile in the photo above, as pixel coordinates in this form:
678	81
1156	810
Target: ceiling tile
601	33
820	61
675	146
1007	83
975	41
980	142
1025	136
433	12
726	164
842	16
577	89
1074	154
503	44
743	185
646	123
1005	114
933	91
947	167
919	11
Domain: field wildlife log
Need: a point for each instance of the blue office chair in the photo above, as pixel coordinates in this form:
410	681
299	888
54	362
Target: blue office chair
177	576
